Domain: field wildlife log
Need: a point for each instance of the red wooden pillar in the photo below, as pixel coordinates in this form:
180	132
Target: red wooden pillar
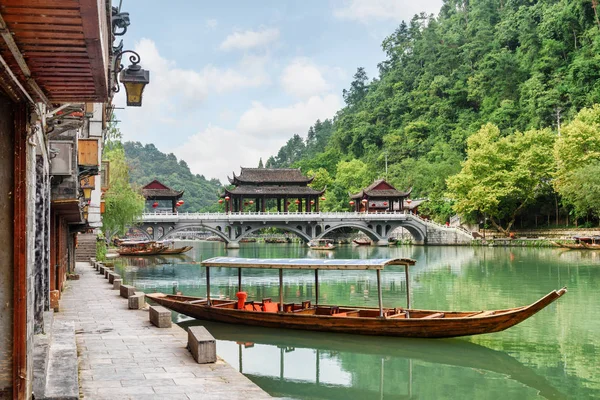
285	204
317	204
20	250
263	204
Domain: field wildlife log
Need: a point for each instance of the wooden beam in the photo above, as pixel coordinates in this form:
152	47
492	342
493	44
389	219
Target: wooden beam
379	295
41	3
22	28
41	12
208	285
93	41
20	251
316	287
30	19
280	290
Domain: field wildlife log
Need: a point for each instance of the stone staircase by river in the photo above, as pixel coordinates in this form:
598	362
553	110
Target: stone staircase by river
86	247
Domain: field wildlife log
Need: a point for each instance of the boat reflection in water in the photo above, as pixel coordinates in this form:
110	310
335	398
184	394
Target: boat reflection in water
315	365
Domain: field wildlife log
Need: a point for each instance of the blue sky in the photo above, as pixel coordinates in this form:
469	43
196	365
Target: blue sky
232	81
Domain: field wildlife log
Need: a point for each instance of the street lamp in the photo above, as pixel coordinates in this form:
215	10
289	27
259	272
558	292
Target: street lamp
134	78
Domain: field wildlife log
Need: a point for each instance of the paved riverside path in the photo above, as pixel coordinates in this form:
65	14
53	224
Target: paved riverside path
122	356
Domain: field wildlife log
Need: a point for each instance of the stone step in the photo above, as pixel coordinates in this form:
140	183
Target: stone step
62	378
40	356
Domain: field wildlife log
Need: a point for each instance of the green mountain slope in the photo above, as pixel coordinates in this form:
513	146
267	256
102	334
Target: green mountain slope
519	64
148	163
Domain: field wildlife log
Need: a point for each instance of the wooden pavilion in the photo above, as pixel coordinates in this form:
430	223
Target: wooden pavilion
380	196
156	191
254	186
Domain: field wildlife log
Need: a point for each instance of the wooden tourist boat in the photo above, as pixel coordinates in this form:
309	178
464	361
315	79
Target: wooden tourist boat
140	248
169	248
361	242
321	244
403	322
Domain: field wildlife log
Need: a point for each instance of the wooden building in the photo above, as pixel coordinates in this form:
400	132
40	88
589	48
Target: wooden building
287	187
156	191
380	196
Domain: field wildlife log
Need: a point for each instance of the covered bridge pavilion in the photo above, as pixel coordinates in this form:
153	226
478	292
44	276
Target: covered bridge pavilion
254	186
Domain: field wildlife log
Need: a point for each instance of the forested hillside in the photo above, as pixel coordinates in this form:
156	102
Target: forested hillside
148	163
517	64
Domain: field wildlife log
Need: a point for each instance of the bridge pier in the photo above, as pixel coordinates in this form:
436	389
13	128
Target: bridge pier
381	242
232	245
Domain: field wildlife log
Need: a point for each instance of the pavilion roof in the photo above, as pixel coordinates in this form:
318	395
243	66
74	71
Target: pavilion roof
157	190
271	190
380	189
270	176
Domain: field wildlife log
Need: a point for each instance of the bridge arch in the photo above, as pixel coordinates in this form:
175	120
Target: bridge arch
197	226
417	230
283	227
364	229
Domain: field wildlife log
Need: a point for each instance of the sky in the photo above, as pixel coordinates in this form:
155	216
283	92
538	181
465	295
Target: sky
232	80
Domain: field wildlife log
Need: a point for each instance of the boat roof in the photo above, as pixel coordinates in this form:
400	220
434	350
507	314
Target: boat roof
305	263
134	242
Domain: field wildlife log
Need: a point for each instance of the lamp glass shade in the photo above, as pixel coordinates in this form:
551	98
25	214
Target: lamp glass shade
87	193
135	79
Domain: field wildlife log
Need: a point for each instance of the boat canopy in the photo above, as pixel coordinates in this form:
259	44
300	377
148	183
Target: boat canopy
306	263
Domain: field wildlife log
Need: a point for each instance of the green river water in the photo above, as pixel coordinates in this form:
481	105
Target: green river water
553	355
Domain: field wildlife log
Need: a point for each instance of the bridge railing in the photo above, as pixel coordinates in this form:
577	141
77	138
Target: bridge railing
164	216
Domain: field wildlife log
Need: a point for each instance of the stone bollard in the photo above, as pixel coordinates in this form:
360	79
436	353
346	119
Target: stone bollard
117	284
137	301
112	276
106	272
126	291
202	345
101	269
160	316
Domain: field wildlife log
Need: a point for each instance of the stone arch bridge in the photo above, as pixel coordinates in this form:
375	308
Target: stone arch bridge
234	227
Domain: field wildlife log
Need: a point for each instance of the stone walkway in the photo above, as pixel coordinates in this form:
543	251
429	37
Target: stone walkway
122	356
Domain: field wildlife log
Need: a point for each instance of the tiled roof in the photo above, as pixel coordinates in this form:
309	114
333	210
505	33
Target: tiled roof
290	191
371	191
270	175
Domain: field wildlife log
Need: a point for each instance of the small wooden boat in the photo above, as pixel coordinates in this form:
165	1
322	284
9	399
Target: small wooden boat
140	248
169	248
572	246
321	244
398	321
361	242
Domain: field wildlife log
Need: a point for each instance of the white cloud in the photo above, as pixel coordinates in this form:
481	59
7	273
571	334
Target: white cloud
211	23
303	79
250	39
260	132
174	91
282	122
366	11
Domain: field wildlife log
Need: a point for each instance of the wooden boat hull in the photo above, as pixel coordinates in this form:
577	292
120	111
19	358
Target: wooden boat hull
452	325
322	247
136	253
177	250
361	242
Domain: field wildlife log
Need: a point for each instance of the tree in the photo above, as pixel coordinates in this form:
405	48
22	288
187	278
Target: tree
503	174
577	153
123	203
260	163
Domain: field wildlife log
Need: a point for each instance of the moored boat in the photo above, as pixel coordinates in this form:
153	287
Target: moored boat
397	321
321	244
361	242
140	248
169	248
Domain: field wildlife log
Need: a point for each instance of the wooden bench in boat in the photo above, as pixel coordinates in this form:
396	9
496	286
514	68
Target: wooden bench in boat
434	315
481	314
196	301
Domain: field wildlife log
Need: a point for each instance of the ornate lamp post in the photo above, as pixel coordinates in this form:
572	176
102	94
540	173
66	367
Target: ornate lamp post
134	78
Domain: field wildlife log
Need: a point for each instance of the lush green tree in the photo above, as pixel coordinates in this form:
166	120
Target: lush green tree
502	175
353	175
577	153
123	203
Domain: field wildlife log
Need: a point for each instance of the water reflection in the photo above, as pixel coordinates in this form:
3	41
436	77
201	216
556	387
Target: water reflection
561	343
324	366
